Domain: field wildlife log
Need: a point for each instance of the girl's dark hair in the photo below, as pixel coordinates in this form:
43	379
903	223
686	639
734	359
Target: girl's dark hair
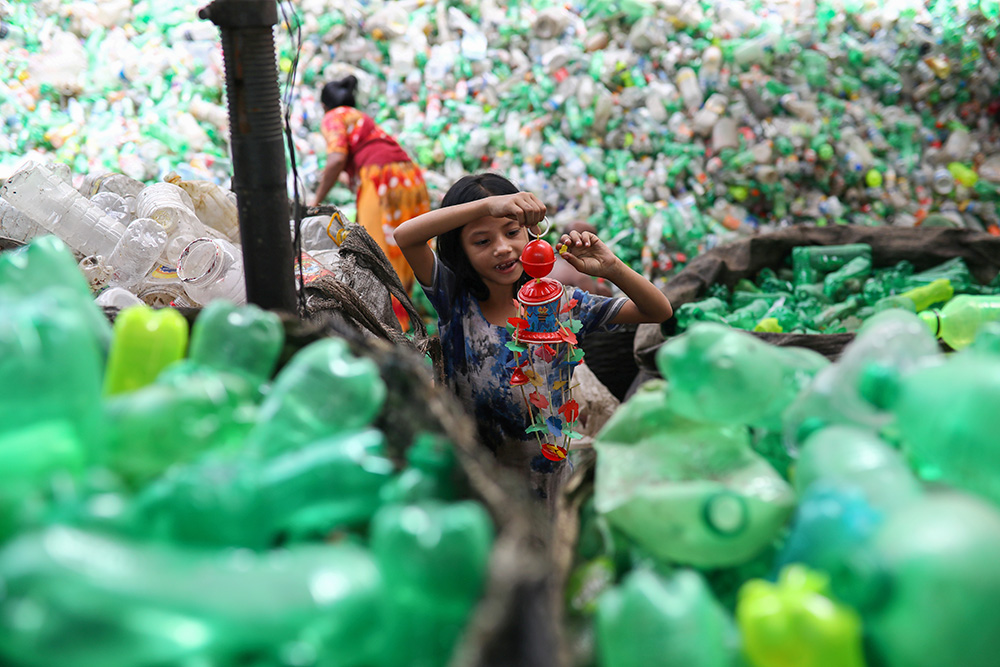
339	93
449	244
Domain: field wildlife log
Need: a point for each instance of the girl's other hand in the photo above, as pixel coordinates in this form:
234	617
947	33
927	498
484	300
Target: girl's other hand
524	207
588	254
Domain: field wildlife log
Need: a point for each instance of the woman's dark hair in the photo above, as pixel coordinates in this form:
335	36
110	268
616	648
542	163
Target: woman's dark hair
449	244
339	93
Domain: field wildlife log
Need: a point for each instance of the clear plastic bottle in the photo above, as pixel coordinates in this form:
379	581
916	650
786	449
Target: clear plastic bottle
171	206
61	210
119	184
17	226
212	269
943	182
706	118
691	93
711	64
136	252
114	205
117	297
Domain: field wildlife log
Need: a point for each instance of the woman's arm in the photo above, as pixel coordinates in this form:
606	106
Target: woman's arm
412	236
588	254
335	163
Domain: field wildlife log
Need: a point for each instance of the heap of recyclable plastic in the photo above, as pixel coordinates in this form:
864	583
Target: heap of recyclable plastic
834	289
188	504
764	506
129	87
671	126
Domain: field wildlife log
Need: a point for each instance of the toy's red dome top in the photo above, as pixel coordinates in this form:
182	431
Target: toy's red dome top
538	258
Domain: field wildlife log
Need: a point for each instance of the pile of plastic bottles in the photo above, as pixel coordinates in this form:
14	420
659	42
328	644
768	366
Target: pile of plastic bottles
166	498
173	242
834	289
130	87
764	506
670	126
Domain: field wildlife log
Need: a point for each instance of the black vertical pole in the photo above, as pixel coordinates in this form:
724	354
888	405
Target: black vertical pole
259	175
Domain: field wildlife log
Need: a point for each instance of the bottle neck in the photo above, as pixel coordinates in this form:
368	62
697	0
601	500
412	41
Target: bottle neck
202	262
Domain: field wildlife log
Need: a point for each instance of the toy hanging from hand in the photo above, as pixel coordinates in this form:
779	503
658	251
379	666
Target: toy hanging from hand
545	352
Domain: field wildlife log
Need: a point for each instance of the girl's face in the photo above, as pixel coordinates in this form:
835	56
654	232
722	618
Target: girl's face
493	246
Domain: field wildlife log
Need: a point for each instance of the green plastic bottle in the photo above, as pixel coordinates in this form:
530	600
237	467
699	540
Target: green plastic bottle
851	274
718	375
433	558
851	456
50	363
927	584
324	390
959	320
32	459
235	498
946	417
146	341
174	420
810	262
235	338
675	619
794	623
78	599
428	475
48	262
686	492
919	298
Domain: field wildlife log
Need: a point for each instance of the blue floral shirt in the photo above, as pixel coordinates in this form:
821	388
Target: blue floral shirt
478	364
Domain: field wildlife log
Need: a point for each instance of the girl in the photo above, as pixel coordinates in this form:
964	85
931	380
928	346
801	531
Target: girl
473	283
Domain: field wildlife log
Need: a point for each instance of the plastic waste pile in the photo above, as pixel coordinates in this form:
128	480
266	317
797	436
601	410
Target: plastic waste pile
121	86
172	242
167	491
763	506
670	126
834	289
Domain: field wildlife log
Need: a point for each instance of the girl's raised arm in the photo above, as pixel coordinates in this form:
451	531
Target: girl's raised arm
412	236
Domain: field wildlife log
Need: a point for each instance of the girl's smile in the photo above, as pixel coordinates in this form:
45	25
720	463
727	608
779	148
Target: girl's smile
493	246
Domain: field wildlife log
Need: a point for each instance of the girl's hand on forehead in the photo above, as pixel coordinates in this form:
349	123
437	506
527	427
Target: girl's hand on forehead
587	254
524	207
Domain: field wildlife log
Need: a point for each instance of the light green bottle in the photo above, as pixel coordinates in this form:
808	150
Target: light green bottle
433	558
959	320
104	600
234	338
146	341
794	623
919	298
675	619
718	375
851	456
686	492
324	390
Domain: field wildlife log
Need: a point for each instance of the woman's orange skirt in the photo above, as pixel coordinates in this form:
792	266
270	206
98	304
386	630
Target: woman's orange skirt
388	194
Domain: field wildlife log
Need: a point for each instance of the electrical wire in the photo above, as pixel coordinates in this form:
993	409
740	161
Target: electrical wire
295	35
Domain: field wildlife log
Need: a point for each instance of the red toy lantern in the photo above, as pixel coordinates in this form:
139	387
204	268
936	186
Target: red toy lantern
545	352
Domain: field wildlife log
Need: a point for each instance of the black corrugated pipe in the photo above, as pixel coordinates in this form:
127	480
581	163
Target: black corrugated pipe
259	175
